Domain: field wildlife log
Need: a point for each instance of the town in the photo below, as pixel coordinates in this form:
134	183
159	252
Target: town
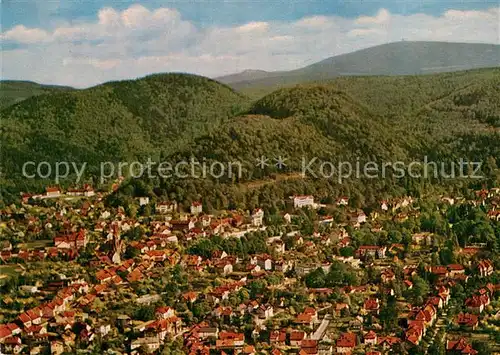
409	275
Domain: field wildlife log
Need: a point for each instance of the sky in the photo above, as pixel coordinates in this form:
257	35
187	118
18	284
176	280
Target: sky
82	43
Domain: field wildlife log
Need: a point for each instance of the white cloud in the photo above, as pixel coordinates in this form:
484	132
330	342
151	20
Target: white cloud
24	35
314	22
138	41
383	16
253	27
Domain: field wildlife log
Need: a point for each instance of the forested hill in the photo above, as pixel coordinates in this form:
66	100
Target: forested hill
378	117
177	116
13	91
115	121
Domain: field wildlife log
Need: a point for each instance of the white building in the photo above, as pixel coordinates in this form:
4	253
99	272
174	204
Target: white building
303	201
196	208
257	217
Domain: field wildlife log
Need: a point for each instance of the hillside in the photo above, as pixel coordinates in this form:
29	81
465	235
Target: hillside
116	121
176	117
399	58
299	123
12	91
444	117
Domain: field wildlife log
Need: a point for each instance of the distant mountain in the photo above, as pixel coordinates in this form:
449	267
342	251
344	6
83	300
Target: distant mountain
13	91
399	58
249	74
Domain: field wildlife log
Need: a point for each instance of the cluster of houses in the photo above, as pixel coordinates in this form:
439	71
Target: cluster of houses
128	252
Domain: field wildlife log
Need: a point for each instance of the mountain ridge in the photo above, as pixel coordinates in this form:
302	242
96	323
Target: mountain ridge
395	58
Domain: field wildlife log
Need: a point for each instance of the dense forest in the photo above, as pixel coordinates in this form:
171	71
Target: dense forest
12	91
177	117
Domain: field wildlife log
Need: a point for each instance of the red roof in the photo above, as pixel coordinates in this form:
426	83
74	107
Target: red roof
370	335
467	319
5	332
346	340
297	335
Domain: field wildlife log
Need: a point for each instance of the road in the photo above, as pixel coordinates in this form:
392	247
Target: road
318	334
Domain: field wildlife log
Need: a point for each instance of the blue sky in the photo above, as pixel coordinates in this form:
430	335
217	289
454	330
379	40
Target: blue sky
46	13
86	42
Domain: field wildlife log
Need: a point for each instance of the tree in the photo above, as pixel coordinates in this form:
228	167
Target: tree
145	313
347	251
316	278
389	314
419	290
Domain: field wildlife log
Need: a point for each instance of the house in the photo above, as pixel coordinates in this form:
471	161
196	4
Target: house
477	303
371	250
86	191
164	313
52	191
296	337
388	342
455	269
484	268
74	240
248	350
12	345
305	320
372	305
301	201
312	312
196	208
343	201
308	347
448	200
257	217
223	312
277	338
166	207
494	215
29	288
56	347
230	340
277	245
265	312
387	276
283	265
358	218
152	344
384	205
264	261
344	242
319	292
460	346
439	271
205	332
370	338
5	332
424	238
182	225
444	294
224	266
468	321
415	331
143	201
436	301
346	343
427	315
190	296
